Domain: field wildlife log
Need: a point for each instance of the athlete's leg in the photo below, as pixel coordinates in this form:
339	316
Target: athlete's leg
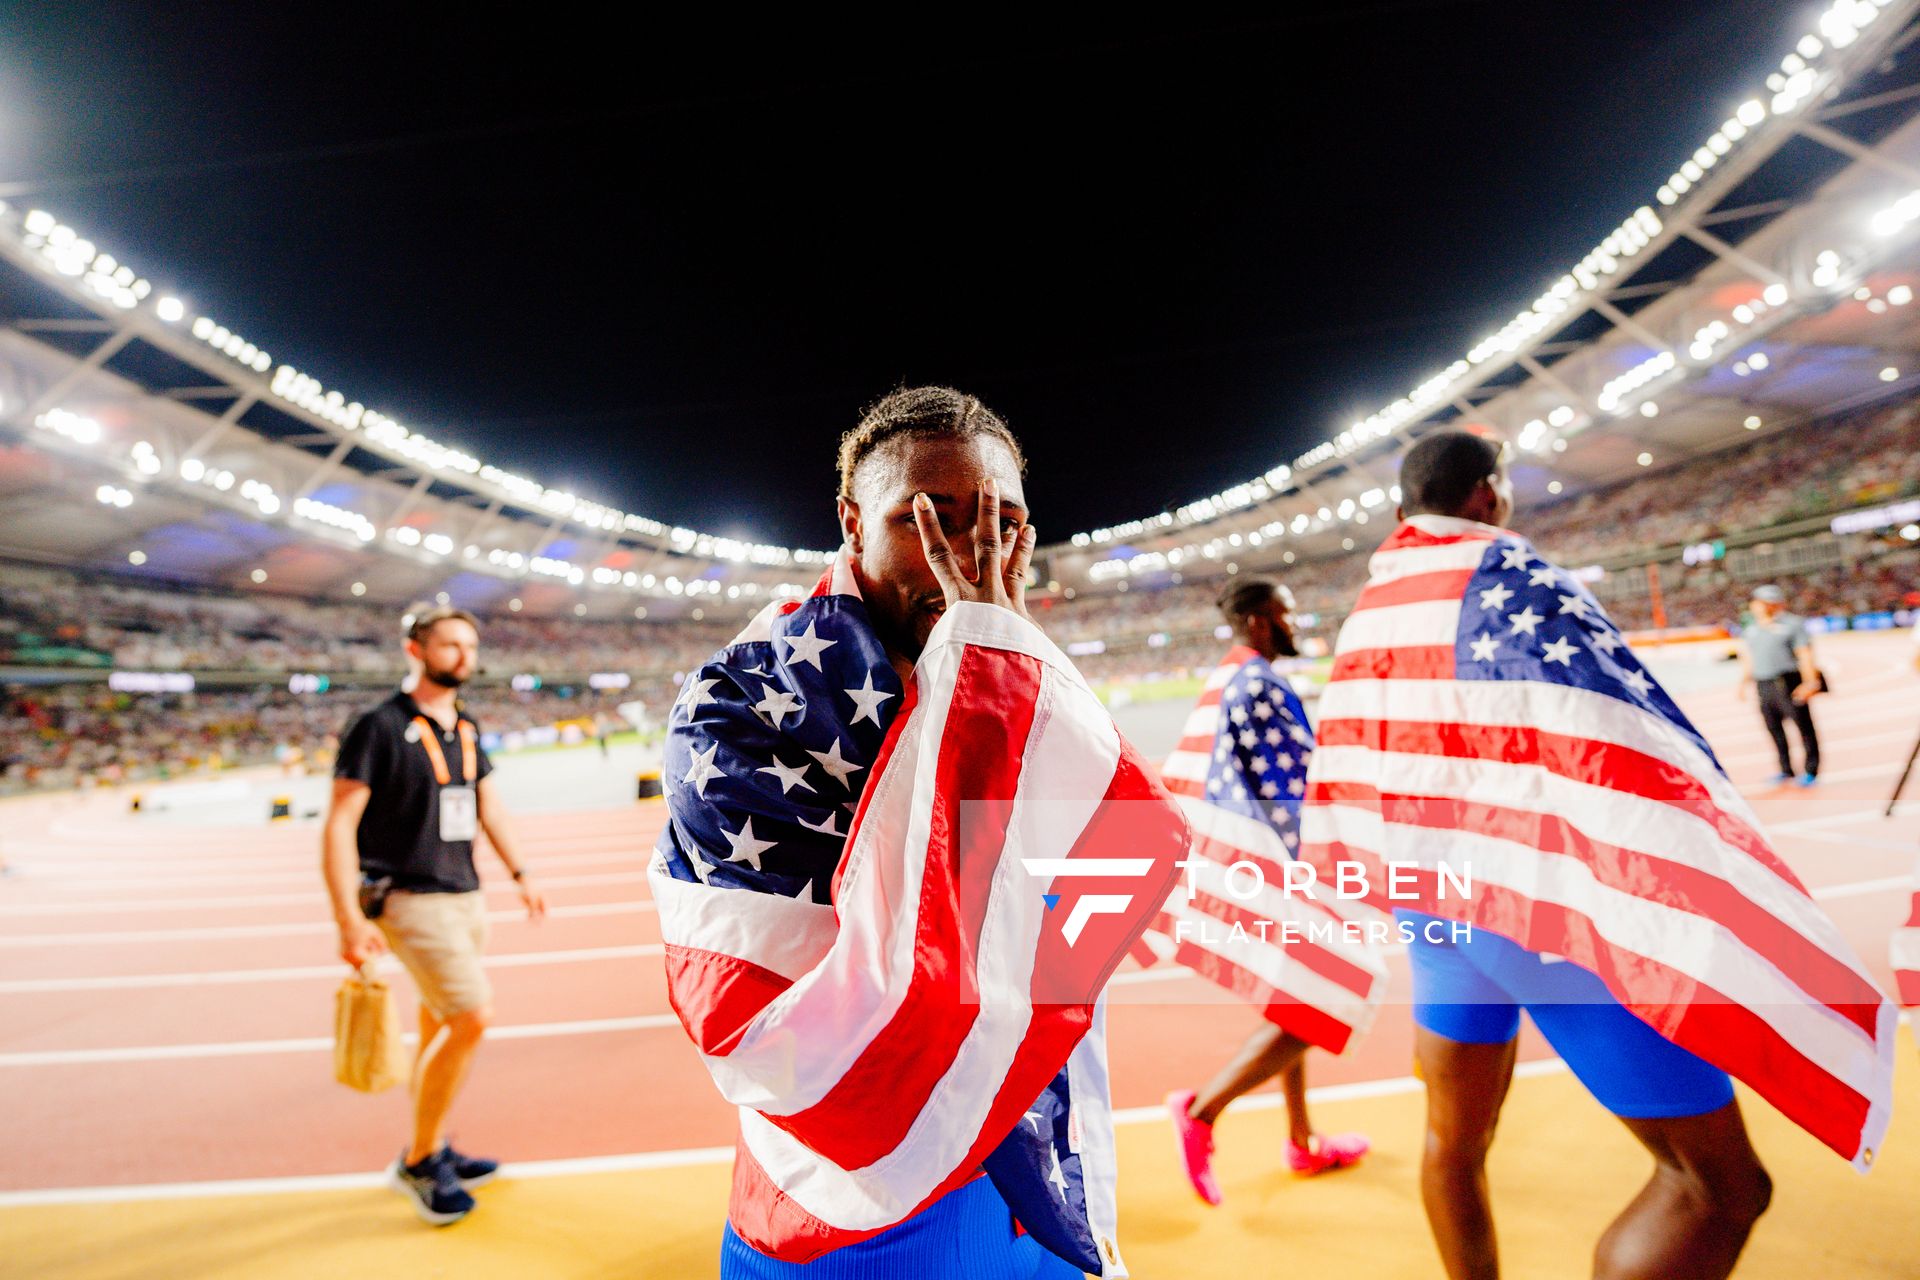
1294	1082
1694	1215
1466	1086
1266	1053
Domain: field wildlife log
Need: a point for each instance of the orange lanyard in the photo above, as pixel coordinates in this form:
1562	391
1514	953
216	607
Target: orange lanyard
430	739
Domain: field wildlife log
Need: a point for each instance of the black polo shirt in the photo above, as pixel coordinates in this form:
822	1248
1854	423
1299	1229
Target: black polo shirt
400	831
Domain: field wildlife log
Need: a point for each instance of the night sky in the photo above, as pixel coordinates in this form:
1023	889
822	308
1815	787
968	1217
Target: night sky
667	264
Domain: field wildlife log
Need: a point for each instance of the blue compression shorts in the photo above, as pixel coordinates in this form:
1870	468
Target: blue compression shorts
966	1234
1472	992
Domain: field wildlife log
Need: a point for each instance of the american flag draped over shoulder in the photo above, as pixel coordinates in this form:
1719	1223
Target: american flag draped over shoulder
855	940
1485	713
1240	773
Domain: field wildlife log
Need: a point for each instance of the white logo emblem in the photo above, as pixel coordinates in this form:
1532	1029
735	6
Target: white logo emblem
1092	904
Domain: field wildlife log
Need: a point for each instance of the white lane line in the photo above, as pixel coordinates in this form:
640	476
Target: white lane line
284	930
149	981
228	977
502	887
643	1159
314	1044
58	874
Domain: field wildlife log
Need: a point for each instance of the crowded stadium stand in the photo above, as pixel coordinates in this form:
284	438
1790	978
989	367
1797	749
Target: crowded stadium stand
1717	394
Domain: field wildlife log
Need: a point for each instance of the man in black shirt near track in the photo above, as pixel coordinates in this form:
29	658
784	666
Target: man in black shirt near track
411	792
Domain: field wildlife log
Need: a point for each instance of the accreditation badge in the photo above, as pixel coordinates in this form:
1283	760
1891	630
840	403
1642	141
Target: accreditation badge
459	814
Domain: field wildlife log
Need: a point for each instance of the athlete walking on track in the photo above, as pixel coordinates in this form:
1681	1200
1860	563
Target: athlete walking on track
1486	718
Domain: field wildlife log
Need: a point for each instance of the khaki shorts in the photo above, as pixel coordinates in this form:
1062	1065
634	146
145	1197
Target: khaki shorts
440	938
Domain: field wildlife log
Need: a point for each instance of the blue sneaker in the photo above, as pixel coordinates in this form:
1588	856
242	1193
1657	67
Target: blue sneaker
1807	780
433	1187
1779	779
471	1170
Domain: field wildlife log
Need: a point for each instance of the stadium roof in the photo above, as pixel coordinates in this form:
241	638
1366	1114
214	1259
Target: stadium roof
164	442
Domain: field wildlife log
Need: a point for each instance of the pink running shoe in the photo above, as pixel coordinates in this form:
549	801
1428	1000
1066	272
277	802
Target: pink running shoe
1335	1151
1196	1146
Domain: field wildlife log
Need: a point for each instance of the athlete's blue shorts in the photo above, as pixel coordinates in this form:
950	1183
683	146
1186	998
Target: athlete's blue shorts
966	1234
1472	992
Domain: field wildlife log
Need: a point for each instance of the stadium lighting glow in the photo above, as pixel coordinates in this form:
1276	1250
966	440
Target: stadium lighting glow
1910	532
63	251
441	597
1554	486
192	469
514	604
1752	423
136	558
1648	409
1889	373
640	612
358	588
1826	269
231	344
1645	459
1900	295
1632	380
258	575
111	496
69	426
338	517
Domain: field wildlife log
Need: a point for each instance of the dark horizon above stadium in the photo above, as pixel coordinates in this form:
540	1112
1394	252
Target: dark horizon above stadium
666	270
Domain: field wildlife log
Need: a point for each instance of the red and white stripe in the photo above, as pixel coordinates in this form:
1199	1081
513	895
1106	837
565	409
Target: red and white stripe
881	1047
1906	952
1591	829
1306	973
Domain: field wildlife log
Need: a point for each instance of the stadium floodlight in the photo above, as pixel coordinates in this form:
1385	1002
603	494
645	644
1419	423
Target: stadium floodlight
1797	80
1645	459
170	309
1900	295
1752	423
258	575
1889	374
69	426
136	558
337	517
358	588
231	344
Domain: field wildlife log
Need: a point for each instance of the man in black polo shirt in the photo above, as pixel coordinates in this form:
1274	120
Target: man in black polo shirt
411	792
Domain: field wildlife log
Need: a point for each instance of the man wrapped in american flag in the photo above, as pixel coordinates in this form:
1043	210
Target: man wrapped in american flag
1240	772
906	849
1564	841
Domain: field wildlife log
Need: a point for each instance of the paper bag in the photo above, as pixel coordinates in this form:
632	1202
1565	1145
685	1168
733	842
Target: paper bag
367	1051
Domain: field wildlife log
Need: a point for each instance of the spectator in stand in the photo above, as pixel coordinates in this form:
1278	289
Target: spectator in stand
1778	663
